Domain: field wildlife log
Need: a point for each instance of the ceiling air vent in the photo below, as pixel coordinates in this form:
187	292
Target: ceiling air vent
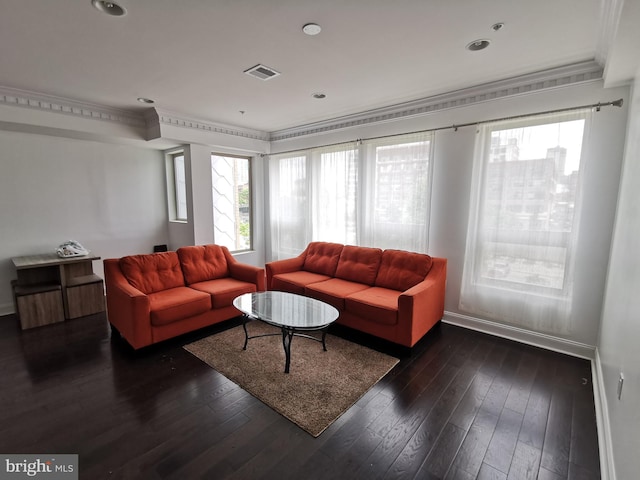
262	72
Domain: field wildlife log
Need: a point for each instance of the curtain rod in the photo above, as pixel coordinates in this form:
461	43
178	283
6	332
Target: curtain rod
597	106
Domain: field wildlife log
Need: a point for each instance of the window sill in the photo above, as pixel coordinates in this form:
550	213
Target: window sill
243	252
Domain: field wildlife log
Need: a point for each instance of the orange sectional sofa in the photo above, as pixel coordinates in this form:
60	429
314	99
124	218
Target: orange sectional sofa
392	294
157	296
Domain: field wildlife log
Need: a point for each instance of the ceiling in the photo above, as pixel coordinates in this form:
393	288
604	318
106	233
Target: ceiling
189	55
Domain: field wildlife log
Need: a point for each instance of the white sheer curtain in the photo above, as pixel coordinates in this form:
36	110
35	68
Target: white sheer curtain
231	202
224	192
334	188
524	210
312	197
289	205
374	193
397	174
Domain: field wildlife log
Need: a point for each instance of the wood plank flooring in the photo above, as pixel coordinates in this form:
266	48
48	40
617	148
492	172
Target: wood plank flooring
463	405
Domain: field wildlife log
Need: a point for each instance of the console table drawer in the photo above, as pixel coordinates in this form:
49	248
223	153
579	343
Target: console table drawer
40	308
85	299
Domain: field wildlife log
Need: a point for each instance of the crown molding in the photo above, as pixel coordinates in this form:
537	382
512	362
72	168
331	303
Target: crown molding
177	120
48	103
569	75
609	18
574	74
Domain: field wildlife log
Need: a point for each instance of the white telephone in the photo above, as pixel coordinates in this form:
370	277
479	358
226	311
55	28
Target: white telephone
71	249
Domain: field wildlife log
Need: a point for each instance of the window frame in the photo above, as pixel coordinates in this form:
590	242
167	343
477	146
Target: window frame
173	189
251	218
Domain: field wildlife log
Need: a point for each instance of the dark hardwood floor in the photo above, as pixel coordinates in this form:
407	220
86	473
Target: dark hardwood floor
464	405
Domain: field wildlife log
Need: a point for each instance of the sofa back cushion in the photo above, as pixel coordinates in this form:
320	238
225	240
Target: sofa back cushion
359	264
322	257
153	272
400	270
203	262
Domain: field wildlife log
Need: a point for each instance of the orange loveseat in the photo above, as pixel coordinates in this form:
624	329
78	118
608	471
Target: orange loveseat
157	296
391	294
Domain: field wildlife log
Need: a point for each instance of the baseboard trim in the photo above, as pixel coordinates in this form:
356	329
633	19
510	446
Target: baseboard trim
607	466
7	309
542	340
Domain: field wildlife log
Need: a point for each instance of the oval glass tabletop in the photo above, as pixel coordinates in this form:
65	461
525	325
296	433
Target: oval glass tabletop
284	309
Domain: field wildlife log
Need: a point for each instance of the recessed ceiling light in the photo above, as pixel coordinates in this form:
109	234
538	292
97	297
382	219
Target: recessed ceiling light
497	26
110	8
478	45
145	100
319	95
312	29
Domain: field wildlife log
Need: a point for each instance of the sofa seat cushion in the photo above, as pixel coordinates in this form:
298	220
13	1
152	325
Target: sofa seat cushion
333	291
359	264
294	282
224	290
376	304
203	262
176	304
153	272
322	258
400	270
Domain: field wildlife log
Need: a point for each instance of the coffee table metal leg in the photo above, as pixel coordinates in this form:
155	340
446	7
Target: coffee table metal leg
287	336
324	336
246	334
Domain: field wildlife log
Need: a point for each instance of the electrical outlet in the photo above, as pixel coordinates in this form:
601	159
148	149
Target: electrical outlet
620	383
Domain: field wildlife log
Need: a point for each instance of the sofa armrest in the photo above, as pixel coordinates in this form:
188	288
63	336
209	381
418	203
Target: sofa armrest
244	271
422	306
128	308
283	266
248	273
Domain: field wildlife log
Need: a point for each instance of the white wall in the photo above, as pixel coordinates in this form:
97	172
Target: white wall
110	198
618	349
452	179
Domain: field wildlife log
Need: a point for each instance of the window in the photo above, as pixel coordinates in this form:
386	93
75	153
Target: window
231	181
334	202
289	206
399	187
372	193
522	228
313	197
180	187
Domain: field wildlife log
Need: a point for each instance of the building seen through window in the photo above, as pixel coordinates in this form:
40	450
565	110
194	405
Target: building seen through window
528	204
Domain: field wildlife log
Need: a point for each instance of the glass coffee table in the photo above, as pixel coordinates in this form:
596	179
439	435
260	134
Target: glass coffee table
293	314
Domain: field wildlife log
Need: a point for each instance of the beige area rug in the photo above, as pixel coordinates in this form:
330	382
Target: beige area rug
320	387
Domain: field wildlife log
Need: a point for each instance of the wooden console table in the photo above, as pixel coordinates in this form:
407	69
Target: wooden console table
50	289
